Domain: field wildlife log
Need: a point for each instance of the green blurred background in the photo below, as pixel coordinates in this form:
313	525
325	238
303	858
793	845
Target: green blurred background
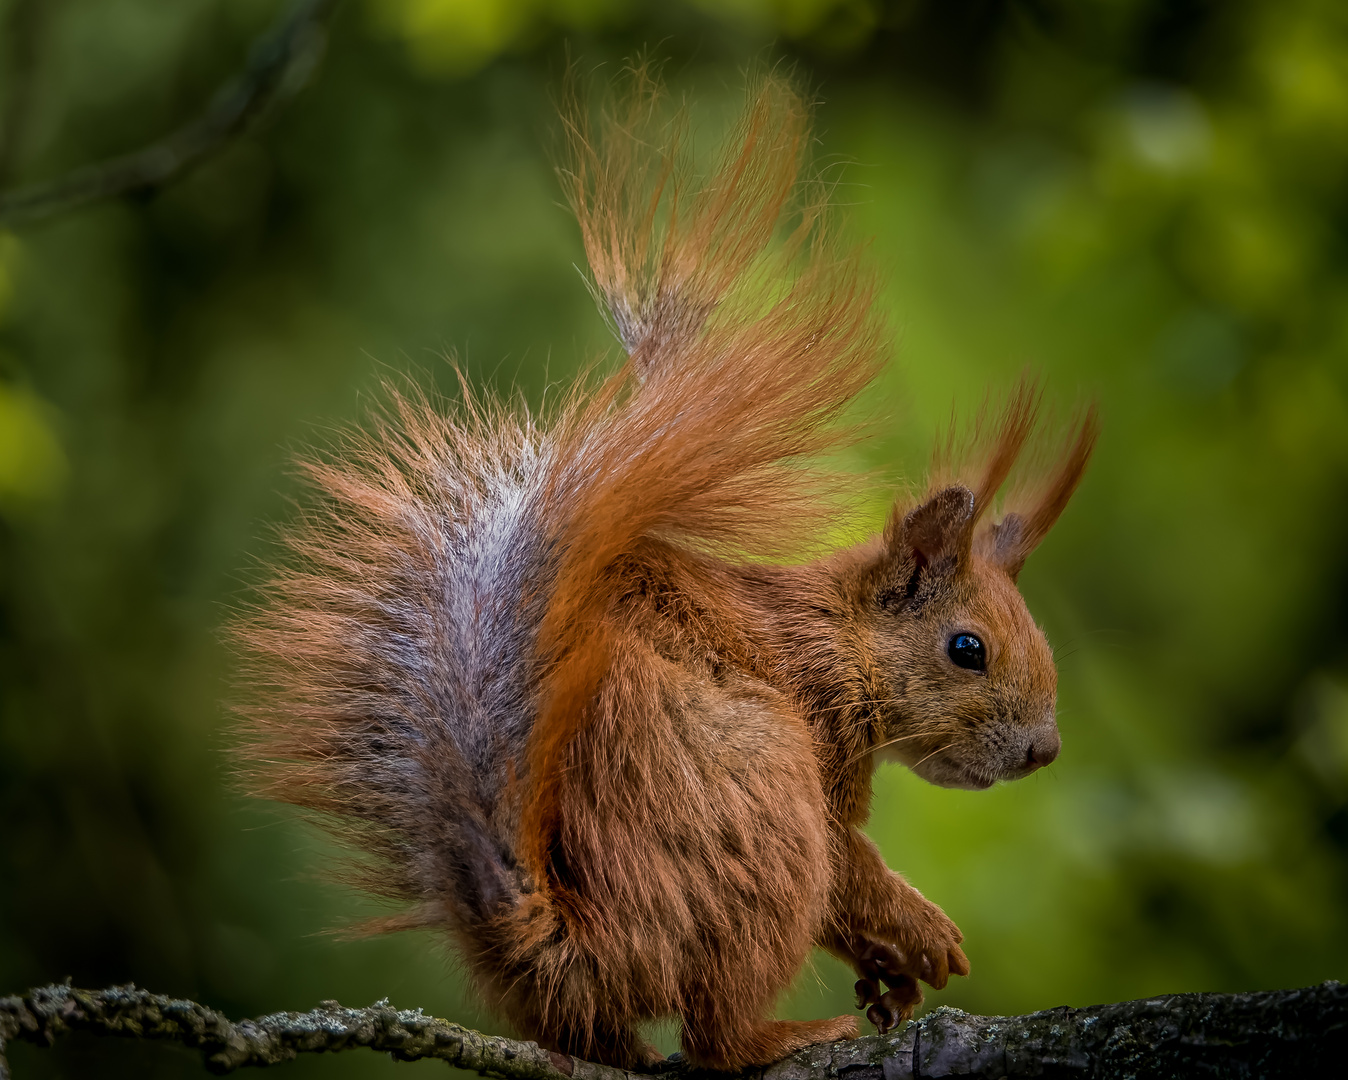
1146	201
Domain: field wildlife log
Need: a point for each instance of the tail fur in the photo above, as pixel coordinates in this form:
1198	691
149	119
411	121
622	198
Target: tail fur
389	654
742	355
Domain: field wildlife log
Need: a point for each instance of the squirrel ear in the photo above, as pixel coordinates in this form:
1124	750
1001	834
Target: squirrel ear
940	531
934	537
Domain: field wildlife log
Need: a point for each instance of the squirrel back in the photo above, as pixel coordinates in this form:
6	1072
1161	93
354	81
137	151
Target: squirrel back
488	621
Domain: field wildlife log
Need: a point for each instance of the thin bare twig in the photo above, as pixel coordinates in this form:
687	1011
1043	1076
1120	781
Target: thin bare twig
1278	1033
276	66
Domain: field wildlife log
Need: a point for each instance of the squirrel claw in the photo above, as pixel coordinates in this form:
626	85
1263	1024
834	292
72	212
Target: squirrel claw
867	992
895	1005
881	1017
903	999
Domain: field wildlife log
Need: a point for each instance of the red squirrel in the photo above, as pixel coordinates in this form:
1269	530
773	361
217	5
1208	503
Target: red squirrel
546	673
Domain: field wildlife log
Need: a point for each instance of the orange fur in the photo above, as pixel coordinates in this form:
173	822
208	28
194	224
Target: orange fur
549	676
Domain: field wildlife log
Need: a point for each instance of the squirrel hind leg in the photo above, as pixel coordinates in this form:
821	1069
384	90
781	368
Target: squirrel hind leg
620	1046
717	1042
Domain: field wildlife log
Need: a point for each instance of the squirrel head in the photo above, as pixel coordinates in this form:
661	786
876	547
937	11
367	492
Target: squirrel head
970	686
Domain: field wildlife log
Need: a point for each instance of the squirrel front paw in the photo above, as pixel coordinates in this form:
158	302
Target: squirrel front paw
887	1007
898	959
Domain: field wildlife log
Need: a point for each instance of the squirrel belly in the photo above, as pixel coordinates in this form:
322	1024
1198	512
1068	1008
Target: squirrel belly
559	680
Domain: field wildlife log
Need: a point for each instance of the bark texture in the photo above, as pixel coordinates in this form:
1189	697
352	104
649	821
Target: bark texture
1279	1033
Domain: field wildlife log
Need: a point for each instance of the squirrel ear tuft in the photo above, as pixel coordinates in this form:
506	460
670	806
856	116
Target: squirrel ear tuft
1008	544
938	532
1013	538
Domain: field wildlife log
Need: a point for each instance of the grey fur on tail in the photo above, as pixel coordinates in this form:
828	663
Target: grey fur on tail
392	652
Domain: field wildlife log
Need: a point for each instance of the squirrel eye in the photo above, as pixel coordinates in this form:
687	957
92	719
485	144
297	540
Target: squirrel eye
967	651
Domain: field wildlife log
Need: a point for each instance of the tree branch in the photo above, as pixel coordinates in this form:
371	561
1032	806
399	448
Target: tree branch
1291	1033
277	64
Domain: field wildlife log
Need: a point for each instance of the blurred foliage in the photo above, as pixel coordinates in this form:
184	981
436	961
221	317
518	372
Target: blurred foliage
455	37
1144	200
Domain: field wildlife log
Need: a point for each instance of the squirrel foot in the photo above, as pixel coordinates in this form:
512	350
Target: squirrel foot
748	1043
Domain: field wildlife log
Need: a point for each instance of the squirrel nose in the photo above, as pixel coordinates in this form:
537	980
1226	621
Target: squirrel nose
1044	747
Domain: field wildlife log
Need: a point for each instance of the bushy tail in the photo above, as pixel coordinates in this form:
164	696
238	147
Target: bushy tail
748	330
388	665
